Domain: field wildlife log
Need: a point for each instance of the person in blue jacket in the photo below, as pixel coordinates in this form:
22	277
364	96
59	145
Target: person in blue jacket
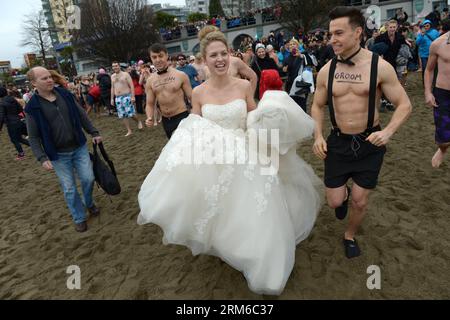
424	40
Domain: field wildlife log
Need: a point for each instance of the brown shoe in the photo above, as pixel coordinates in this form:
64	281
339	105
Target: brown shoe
81	227
94	211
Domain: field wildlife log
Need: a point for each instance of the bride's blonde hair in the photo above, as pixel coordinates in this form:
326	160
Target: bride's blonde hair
208	35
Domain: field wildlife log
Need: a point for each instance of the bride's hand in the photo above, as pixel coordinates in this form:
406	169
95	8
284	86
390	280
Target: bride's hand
320	148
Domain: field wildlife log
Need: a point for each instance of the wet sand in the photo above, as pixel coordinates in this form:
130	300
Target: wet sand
405	232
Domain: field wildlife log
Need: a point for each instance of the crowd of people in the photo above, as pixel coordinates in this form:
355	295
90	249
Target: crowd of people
245	19
347	67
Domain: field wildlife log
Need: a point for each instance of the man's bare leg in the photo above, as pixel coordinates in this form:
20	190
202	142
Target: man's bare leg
126	121
438	157
336	196
139	122
360	199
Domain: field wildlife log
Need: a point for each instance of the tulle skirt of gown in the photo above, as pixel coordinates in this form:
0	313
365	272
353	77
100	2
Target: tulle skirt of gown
251	221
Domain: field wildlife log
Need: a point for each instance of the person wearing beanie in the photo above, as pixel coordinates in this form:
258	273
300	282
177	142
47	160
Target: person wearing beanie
262	62
104	82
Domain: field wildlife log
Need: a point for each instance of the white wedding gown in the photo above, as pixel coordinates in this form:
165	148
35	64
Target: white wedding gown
250	220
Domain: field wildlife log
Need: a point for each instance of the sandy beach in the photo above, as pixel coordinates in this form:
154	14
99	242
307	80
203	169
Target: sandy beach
406	232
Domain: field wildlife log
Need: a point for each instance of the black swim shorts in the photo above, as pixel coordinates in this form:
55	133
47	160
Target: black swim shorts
350	156
171	124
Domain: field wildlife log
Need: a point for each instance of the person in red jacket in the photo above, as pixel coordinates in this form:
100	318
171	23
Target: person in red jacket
93	99
138	91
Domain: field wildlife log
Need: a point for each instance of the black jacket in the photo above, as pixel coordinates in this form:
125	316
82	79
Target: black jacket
259	65
9	111
104	82
394	47
323	55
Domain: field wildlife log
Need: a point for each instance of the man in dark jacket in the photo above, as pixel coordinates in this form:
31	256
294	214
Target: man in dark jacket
394	41
104	82
10	114
323	52
55	122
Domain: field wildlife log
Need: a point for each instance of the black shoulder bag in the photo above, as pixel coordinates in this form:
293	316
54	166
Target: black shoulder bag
105	173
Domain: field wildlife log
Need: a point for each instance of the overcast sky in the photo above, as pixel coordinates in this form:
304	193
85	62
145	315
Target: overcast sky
13	13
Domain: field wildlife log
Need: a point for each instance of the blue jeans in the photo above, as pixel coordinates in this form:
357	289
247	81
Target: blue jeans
424	66
65	167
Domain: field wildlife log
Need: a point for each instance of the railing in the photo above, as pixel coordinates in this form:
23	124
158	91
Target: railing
188	31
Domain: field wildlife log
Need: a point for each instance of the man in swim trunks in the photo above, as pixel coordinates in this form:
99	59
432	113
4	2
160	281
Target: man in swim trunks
439	97
352	84
170	88
122	93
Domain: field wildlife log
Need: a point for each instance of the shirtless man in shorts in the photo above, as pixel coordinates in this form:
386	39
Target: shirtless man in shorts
439	97
122	95
170	88
352	84
238	68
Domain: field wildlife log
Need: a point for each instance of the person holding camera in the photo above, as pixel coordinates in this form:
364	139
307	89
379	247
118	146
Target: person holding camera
292	64
424	40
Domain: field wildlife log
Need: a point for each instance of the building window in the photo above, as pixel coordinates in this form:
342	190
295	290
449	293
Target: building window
390	13
174	50
441	4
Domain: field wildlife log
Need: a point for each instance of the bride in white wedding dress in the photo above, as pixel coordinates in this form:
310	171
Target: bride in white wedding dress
235	210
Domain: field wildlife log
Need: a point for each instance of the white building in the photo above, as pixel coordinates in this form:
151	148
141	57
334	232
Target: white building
200	6
5	67
416	9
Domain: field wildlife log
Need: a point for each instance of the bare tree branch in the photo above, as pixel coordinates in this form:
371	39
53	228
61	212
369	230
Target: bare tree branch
35	33
116	29
306	14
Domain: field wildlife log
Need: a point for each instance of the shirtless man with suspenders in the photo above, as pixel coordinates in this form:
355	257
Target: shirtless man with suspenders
352	84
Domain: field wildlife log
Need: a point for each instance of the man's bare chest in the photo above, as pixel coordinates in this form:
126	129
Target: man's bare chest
233	71
168	84
351	81
120	80
444	54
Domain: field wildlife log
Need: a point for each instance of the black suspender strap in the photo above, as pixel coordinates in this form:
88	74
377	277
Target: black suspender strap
372	91
330	92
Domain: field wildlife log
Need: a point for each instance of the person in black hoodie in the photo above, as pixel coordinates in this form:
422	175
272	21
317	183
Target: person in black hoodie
104	82
262	62
10	114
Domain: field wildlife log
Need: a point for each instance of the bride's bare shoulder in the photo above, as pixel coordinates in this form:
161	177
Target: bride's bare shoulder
242	83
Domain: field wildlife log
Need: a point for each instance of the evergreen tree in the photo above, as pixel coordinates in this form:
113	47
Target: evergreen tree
215	8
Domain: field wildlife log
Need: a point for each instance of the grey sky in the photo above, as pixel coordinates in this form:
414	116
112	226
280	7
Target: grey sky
13	13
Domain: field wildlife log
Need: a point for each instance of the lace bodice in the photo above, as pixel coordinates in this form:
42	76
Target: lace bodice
232	115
